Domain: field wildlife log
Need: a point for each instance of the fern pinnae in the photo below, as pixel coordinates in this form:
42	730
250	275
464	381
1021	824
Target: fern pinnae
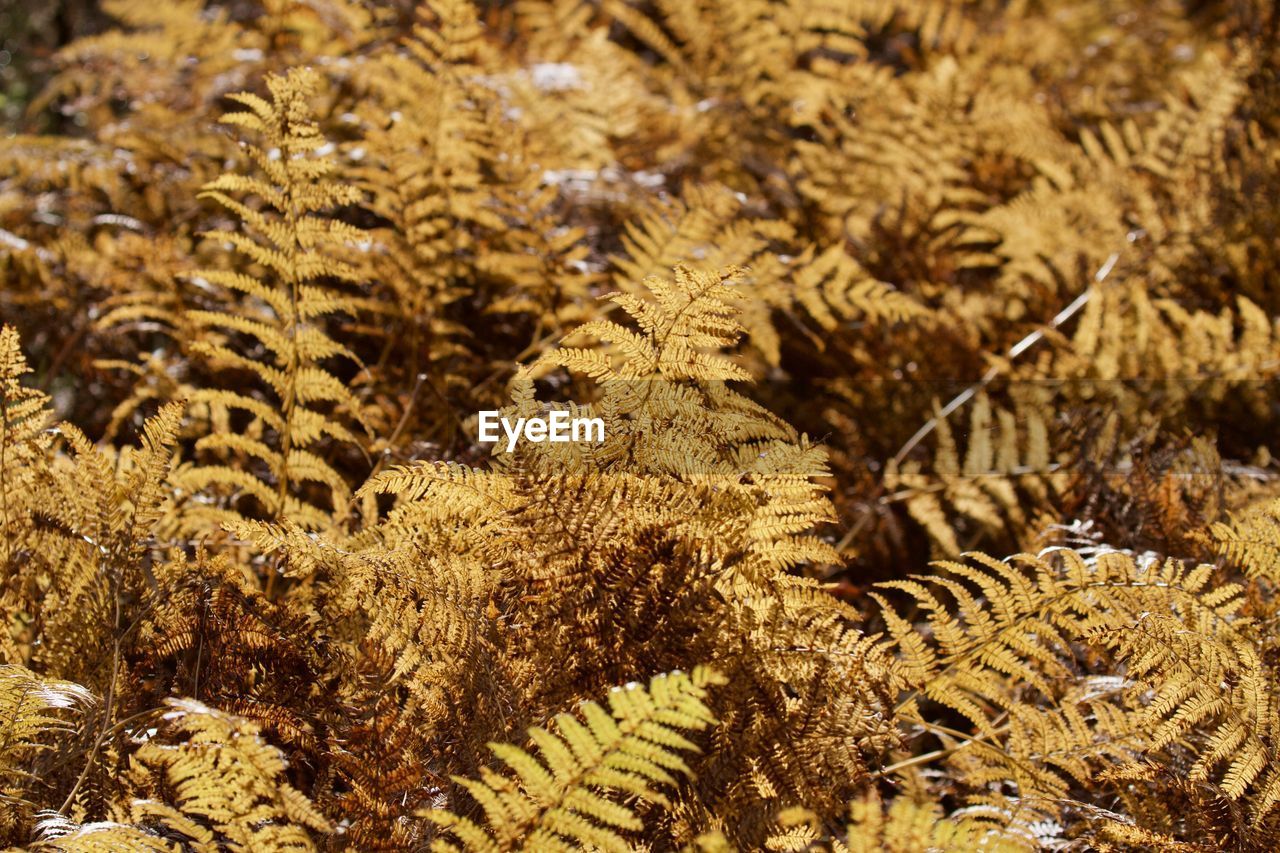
562	798
855	205
299	248
23	416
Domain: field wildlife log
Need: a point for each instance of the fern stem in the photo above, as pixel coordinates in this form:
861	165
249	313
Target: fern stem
108	707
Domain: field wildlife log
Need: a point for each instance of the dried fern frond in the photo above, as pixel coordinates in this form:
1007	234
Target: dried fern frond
668	412
1006	642
430	159
293	249
993	486
1252	541
1209	687
566	795
24	443
688	318
33	711
226	783
658	380
900	826
710	228
101	511
204	780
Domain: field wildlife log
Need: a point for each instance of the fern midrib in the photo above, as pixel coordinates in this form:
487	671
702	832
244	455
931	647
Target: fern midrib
660	342
294	365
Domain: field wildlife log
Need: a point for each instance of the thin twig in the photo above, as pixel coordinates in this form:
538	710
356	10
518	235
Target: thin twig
98	739
1016	350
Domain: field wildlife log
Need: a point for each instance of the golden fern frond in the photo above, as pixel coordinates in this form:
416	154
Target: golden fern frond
1207	685
667	409
710	228
31	710
792	644
903	825
435	132
211	779
1124	333
661	385
687	319
1252	541
566	796
294	269
434	495
23	412
1004	643
105	509
1180	139
964	663
24	416
1130	837
432	594
992	486
673	231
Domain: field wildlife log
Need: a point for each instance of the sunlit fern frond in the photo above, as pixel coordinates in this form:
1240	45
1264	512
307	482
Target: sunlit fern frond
432	495
24	444
901	826
24	408
1252	541
668	374
266	444
712	228
674	231
208	778
568	795
663	374
33	711
784	644
681	327
1206	686
101	511
1004	649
